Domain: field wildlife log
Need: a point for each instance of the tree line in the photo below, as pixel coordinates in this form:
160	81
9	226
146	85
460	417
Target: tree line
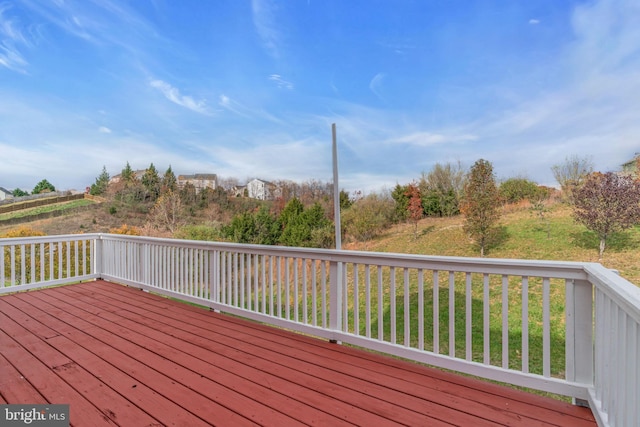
302	215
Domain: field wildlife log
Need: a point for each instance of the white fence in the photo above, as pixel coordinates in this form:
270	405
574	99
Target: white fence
562	327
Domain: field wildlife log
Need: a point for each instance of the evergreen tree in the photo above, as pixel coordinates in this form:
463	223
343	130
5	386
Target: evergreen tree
169	181
102	182
43	186
127	175
151	182
399	194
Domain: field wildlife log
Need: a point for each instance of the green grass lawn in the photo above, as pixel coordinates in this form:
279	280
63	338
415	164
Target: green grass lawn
522	236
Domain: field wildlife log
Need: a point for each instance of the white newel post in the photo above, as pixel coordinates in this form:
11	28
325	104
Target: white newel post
335	296
579	334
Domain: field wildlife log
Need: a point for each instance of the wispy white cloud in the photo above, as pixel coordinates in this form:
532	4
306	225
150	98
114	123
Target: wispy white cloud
104	129
375	85
233	106
426	139
280	82
11	39
265	23
173	95
534	21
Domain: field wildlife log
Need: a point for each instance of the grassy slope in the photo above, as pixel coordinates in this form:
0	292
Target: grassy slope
46	208
523	236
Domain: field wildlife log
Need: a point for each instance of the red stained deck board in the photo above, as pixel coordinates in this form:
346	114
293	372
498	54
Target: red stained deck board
307	375
290	364
87	383
170	401
305	393
542	406
502	409
16	388
191	357
53	388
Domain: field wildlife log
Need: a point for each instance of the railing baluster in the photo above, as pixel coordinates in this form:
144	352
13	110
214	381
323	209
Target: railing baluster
305	296
367	296
323	283
392	304
271	285
380	305
12	260
287	286
243	287
279	282
23	261
468	319
32	273
407	309
3	279
314	298
486	327
356	303
452	314
43	257
546	328
525	325
76	264
420	309
505	321
296	291
436	311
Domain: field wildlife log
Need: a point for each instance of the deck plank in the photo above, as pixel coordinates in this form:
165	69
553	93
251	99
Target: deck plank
122	356
293	385
460	396
360	388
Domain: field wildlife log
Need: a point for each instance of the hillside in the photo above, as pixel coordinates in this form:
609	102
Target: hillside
522	235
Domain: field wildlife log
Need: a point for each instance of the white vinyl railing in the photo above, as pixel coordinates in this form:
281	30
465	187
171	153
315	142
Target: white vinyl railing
35	262
563	327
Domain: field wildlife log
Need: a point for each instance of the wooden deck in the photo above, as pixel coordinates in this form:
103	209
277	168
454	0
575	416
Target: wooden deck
120	356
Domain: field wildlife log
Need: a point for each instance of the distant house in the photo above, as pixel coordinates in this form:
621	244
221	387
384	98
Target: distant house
137	174
631	167
262	190
199	180
5	194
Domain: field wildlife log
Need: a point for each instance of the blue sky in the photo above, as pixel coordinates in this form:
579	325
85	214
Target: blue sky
250	89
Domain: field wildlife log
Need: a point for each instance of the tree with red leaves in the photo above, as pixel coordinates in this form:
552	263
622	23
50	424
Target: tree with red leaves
415	208
606	204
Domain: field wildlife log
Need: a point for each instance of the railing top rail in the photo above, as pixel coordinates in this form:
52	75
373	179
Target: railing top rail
8	241
624	293
517	267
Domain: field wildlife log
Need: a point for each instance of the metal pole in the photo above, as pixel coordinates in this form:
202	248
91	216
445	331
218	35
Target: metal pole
336	298
336	190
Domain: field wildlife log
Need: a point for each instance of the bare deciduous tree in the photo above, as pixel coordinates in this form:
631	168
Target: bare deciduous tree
446	183
167	213
572	173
